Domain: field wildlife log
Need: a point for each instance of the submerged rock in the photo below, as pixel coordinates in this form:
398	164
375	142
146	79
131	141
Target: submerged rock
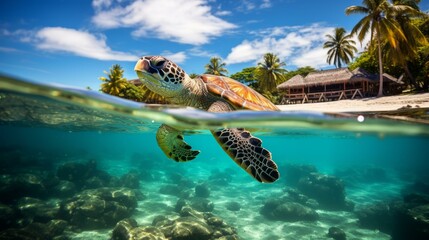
402	220
287	211
13	187
85	175
233	206
65	188
294	172
99	208
202	190
128	229
198	225
130	180
199	204
37	210
327	190
336	233
51	230
7	216
175	190
202	204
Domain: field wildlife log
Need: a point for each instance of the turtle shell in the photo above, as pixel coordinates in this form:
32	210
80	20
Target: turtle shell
237	93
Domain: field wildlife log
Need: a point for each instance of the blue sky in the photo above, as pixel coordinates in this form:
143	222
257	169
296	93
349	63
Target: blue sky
73	41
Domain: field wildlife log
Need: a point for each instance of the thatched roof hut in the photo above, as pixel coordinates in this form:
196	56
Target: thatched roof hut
295	81
334	76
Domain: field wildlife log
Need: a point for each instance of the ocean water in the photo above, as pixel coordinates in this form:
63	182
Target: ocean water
66	154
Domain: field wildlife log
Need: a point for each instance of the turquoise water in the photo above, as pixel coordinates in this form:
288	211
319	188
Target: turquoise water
61	147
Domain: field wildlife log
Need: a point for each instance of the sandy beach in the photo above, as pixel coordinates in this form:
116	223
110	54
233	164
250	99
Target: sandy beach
373	104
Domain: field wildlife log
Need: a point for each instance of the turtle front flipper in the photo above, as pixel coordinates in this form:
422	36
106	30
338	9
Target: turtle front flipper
247	151
171	142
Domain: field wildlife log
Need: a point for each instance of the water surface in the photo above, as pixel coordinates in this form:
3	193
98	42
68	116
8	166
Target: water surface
45	129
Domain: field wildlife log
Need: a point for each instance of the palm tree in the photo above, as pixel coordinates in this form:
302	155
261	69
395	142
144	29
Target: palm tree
270	72
216	67
407	48
115	82
379	22
341	47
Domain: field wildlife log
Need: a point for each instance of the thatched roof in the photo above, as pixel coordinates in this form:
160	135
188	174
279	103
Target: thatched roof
327	77
296	80
333	76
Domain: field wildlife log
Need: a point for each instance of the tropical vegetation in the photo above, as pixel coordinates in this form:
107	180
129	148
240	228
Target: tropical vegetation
115	84
388	24
216	67
341	47
270	72
398	33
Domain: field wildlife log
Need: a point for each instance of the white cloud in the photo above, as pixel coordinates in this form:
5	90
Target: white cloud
265	4
315	57
183	21
178	57
197	51
80	43
9	50
98	4
296	45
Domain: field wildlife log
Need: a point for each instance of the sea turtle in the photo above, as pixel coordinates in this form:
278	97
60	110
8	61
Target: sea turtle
214	94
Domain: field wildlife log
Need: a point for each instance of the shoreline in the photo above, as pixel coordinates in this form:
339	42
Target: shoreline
372	104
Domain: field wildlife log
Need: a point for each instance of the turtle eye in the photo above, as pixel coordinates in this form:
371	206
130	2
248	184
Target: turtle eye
160	64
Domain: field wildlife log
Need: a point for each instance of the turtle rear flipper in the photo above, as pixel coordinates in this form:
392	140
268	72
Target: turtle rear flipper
171	142
247	151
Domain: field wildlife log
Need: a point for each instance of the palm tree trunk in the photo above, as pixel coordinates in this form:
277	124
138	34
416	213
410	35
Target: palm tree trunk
380	63
410	75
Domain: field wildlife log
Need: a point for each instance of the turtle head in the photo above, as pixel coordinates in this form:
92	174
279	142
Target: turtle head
161	75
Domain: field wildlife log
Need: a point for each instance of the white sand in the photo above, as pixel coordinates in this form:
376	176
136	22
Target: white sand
389	103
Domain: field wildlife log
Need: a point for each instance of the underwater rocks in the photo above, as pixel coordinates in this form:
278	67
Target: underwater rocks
192	225
175	190
13	187
233	206
202	190
7	216
51	230
353	176
402	220
327	190
283	210
199	204
99	208
336	233
128	229
36	210
293	173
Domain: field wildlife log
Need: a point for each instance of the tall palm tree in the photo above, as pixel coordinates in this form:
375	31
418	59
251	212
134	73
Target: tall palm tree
407	48
115	82
216	67
380	23
270	72
341	47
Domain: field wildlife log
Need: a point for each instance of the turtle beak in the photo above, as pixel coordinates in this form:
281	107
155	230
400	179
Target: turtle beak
141	66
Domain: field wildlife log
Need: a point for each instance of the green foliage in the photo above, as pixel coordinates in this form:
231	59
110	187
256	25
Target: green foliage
246	76
303	71
193	75
117	85
216	67
341	47
115	82
270	73
388	24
